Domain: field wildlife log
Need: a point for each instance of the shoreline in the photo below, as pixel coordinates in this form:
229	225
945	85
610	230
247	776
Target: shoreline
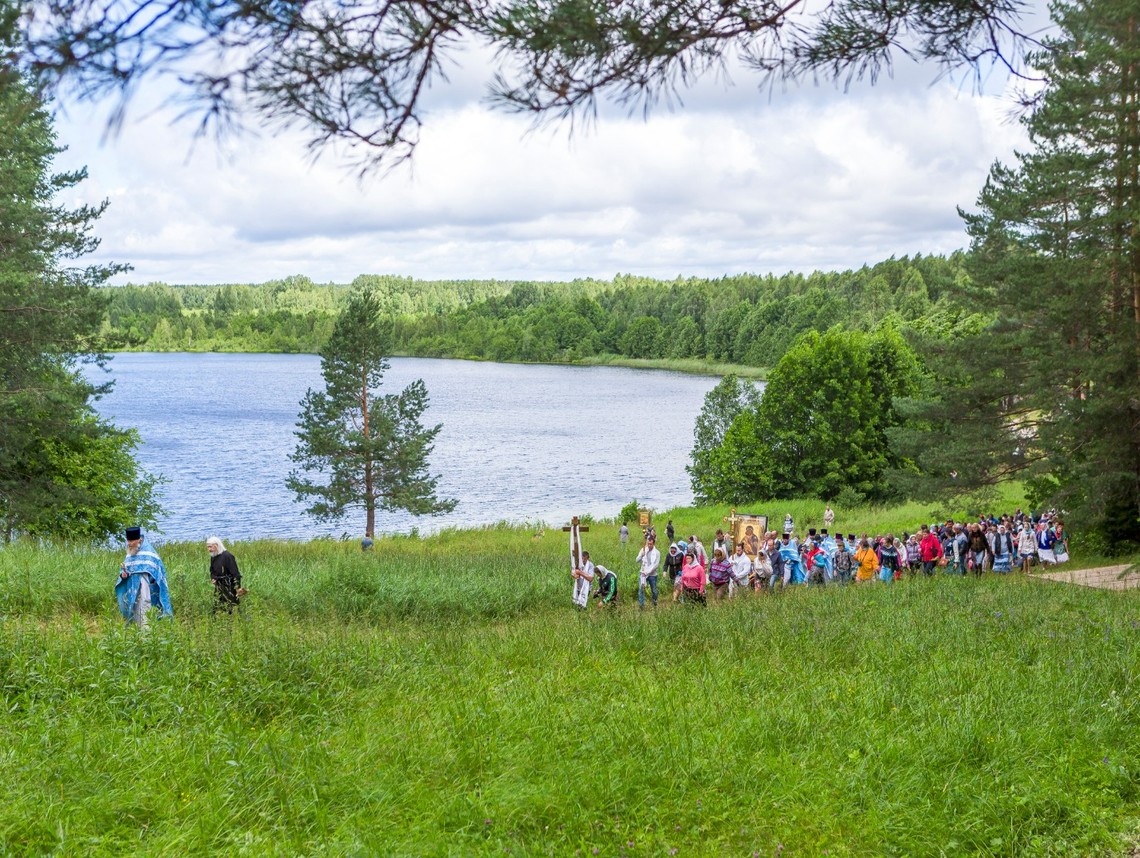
686	366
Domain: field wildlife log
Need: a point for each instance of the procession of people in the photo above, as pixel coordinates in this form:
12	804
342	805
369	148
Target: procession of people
775	560
747	561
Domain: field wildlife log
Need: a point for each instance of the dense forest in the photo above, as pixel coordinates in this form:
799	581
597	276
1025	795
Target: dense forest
745	319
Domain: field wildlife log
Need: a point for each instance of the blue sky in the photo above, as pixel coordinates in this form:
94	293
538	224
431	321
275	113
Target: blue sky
738	179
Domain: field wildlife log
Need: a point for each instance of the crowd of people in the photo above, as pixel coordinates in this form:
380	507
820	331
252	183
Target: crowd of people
142	580
991	543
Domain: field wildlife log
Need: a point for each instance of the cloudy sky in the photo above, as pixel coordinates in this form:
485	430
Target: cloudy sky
738	179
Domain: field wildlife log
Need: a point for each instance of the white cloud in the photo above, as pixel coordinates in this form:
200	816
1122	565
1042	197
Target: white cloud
802	179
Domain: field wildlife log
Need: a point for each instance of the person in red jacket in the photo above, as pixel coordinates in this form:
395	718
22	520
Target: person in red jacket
930	550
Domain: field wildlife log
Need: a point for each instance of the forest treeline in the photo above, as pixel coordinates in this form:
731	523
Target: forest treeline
743	319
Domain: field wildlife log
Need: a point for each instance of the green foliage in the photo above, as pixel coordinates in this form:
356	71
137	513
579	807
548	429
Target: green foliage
722	405
63	472
821	425
357	73
744	320
96	483
371	450
643	339
1048	389
629	512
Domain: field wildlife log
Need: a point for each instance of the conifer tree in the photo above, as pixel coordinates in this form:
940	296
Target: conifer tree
1049	390
357	71
372	450
64	472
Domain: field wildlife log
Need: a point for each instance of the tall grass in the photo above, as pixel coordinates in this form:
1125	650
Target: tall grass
440	697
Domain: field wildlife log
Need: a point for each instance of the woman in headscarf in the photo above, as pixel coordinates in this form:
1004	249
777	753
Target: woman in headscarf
225	576
674	560
693	579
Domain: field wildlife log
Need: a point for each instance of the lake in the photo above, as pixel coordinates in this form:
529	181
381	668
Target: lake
519	443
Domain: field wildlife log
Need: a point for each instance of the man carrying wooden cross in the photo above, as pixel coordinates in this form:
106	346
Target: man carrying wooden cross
581	569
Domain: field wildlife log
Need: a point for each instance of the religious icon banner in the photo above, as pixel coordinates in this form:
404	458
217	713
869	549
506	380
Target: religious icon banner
750	530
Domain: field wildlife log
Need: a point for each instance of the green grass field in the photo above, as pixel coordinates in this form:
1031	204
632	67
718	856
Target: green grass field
442	697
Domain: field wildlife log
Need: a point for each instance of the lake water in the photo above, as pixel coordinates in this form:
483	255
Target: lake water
519	443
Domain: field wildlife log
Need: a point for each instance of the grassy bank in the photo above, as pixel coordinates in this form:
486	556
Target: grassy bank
690	365
440	697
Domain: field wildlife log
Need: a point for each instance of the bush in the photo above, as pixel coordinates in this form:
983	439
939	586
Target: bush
629	512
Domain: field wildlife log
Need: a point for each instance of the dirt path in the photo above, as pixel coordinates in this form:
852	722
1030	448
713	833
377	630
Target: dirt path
1105	577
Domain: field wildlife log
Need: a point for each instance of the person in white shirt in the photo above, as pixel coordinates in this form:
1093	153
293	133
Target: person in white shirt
650	559
583	578
741	570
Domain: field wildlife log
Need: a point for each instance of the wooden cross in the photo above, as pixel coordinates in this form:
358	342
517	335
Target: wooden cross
575	530
731	518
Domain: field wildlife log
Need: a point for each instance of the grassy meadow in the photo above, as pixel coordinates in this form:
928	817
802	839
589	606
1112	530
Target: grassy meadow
440	696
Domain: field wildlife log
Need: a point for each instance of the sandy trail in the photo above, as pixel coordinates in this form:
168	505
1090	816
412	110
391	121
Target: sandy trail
1105	577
